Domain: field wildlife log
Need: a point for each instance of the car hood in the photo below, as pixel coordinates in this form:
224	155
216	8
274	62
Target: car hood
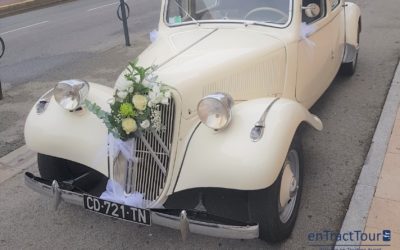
245	63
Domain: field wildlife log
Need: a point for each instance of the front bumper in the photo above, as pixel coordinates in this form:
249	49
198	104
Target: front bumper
157	217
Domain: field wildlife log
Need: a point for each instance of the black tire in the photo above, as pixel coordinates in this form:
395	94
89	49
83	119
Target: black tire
348	69
52	168
2	47
264	204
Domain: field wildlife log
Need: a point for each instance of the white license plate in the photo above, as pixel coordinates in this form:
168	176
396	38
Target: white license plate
120	211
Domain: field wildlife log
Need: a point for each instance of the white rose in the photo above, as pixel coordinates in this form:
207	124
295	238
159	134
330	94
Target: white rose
145	124
122	94
140	102
129	125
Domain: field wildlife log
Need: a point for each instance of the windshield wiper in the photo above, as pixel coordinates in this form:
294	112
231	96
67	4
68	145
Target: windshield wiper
187	13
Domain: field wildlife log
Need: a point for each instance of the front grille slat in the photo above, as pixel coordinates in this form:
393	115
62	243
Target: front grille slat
153	152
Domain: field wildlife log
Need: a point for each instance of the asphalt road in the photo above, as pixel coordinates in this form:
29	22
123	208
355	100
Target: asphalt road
349	110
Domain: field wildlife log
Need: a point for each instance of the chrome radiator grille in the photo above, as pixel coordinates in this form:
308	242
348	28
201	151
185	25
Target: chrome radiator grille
153	151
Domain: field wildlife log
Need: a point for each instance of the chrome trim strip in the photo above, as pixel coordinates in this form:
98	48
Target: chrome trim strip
258	130
158	218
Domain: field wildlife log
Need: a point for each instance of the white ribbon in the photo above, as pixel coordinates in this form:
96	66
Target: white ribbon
115	193
305	31
153	36
126	148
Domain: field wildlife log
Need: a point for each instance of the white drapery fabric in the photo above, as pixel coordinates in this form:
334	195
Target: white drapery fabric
114	191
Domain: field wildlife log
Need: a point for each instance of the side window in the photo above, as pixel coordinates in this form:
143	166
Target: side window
334	4
313	10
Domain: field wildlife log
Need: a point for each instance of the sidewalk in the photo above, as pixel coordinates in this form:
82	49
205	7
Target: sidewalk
8	7
384	213
373	218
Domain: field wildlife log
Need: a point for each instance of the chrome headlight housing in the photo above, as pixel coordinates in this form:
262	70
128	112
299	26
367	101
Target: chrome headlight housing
71	94
215	110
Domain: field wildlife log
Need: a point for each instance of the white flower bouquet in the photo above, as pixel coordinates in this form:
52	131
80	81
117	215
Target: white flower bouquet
135	104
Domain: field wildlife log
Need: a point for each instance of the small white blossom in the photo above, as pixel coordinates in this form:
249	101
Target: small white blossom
156	119
130	89
111	101
122	94
123	85
145	124
167	94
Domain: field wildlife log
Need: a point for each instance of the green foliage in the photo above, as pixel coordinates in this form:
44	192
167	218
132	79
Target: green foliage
122	108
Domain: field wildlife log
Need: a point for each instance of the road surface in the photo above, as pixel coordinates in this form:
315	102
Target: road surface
74	41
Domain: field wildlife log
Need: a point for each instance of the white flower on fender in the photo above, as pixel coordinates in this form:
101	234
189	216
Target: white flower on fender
167	94
129	125
145	124
123	85
140	102
122	94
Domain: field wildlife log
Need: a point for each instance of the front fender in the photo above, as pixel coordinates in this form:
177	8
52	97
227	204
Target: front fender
353	20
230	159
77	136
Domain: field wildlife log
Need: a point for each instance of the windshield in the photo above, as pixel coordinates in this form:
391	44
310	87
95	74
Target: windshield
263	11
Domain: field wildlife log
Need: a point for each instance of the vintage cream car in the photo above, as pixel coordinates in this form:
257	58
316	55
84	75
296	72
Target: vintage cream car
243	75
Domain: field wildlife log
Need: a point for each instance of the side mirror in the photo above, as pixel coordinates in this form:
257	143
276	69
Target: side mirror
312	10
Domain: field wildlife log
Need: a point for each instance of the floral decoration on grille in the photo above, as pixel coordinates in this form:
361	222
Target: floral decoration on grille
135	104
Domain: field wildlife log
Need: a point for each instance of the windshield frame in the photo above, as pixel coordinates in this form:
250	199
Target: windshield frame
223	21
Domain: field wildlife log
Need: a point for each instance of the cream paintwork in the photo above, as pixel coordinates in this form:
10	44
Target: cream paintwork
77	136
253	63
353	15
216	159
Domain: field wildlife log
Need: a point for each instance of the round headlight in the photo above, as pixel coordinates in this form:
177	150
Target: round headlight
71	94
215	110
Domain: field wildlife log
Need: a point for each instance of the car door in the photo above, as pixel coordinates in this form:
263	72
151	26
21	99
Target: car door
315	54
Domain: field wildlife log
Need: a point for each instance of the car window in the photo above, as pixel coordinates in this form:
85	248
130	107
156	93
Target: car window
263	11
334	4
322	14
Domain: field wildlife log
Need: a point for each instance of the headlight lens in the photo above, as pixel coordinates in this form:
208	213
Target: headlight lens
215	110
71	94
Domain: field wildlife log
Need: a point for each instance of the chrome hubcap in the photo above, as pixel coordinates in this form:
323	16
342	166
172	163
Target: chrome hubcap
289	186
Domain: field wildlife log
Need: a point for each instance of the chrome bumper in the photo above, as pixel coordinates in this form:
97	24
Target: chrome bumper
198	227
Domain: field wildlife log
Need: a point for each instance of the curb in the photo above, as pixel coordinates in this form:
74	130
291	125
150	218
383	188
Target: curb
25	5
16	162
357	214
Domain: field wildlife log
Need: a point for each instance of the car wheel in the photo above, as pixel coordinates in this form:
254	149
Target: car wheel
348	69
53	168
275	208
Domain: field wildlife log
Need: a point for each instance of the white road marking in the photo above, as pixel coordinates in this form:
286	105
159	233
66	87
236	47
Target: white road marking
103	6
29	26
